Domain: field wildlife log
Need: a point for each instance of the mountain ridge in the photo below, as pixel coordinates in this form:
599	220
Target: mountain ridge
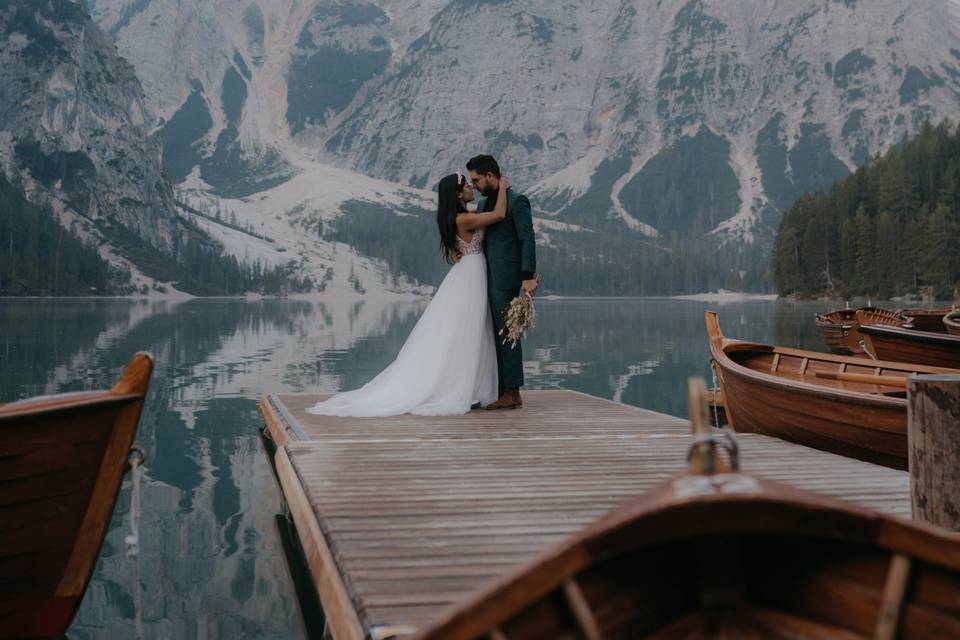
583	88
645	127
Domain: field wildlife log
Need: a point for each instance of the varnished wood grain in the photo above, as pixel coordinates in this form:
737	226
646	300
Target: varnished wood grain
62	459
928	319
805	567
839	329
798	401
419	513
908	345
935	449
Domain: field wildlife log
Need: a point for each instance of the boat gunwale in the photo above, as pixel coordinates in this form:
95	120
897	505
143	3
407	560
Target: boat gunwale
98	399
125	400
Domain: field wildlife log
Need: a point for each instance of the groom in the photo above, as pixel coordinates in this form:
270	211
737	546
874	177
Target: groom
511	253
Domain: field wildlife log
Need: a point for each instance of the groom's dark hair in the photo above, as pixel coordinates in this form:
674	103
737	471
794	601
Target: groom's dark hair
483	164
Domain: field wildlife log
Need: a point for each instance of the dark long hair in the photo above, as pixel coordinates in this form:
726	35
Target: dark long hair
449	206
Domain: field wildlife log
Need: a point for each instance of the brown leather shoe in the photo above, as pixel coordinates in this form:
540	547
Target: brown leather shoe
509	399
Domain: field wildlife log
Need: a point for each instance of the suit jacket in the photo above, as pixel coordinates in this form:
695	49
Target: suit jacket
510	245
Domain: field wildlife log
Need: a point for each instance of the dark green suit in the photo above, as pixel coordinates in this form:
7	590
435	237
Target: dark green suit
511	253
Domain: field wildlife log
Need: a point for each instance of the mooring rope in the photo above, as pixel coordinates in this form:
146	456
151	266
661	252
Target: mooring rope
135	459
716	390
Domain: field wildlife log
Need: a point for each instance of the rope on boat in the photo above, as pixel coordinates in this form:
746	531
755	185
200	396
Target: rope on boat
716	391
135	460
722	436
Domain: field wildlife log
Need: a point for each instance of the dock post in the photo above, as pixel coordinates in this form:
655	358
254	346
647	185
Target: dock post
933	437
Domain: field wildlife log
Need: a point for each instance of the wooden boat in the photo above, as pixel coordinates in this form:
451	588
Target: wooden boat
951	322
845	405
928	319
719	553
62	459
839	328
836	328
909	345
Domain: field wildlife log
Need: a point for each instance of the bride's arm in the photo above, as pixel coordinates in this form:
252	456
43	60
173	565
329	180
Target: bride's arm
471	221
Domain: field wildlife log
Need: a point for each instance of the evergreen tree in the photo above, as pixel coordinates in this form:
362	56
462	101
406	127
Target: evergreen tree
888	229
938	265
38	256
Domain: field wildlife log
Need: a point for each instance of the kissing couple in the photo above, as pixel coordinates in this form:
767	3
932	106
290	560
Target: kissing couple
453	359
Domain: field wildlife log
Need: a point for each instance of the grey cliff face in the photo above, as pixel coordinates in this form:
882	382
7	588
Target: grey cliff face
75	131
763	100
689	116
215	79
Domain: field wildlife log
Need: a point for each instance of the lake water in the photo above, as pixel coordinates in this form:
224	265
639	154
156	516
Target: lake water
211	560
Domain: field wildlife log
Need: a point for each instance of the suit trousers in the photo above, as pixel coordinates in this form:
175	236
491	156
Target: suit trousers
509	358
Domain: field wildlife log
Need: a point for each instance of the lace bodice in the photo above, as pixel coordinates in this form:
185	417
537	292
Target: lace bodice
474	246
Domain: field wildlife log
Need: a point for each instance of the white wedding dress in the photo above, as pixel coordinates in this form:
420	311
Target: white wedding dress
448	363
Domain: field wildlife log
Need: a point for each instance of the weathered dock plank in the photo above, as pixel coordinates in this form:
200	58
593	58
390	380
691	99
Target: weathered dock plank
405	516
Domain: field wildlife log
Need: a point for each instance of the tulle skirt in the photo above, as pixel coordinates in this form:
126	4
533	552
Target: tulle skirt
448	362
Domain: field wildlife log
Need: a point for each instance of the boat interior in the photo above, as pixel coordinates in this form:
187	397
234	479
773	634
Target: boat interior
800	367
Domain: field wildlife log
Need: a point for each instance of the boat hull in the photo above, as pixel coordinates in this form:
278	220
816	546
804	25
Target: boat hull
907	345
873	430
927	319
842	339
726	556
62	460
799	396
839	329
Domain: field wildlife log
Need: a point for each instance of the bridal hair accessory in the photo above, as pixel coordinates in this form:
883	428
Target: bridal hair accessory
460	179
520	317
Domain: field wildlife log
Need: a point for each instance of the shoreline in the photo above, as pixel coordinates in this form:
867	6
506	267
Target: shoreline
399	297
719	297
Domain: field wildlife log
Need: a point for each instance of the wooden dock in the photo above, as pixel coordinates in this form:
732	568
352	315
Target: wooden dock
402	517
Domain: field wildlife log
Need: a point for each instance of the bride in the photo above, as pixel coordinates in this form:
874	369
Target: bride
448	362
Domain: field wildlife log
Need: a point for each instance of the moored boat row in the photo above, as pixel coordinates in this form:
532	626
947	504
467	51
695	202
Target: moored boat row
853	404
910	345
839	329
846	405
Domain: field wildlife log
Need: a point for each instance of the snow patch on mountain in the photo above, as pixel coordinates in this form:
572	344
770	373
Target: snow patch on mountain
288	216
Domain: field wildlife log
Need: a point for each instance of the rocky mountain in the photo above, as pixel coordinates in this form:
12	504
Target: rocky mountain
74	131
685	116
656	128
79	148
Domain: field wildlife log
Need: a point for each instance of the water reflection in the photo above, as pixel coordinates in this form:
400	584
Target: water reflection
642	351
211	563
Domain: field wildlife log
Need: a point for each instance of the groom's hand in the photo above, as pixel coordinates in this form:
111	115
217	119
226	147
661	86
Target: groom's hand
530	286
